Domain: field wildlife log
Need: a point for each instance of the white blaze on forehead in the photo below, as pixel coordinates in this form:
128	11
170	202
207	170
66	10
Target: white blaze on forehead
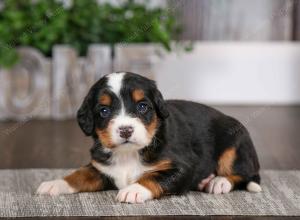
139	137
115	82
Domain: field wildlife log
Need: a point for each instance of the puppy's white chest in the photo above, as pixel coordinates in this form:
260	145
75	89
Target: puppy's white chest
125	168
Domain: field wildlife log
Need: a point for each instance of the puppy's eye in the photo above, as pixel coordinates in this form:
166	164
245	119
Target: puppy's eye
142	107
104	112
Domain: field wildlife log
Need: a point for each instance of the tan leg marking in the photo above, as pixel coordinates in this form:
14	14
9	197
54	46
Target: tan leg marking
225	166
226	161
86	179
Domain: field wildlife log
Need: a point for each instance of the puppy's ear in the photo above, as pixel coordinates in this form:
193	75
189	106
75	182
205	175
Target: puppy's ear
85	116
160	105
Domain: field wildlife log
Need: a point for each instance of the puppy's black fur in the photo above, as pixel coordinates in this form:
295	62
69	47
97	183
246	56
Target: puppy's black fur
192	136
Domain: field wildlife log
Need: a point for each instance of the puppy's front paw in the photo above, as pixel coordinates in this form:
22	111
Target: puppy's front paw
134	193
219	185
55	188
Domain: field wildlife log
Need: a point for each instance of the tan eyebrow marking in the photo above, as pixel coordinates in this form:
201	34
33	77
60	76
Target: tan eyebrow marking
105	99
138	95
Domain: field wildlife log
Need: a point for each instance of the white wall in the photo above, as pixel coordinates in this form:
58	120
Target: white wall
233	73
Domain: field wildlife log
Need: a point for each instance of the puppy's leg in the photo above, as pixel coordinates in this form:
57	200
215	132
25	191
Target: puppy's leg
237	169
153	185
144	189
237	161
85	179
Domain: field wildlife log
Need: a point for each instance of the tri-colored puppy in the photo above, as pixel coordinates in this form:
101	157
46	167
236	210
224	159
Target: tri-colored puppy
148	147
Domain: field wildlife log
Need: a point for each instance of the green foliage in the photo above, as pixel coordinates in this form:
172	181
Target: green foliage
44	23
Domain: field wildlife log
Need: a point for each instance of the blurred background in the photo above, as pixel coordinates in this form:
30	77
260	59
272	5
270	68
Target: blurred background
242	57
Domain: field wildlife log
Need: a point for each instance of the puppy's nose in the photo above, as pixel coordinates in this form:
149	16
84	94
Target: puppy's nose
125	131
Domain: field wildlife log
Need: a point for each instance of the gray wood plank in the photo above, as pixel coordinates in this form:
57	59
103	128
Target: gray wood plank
296	21
245	20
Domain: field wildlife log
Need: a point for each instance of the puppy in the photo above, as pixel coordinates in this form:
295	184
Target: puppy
147	147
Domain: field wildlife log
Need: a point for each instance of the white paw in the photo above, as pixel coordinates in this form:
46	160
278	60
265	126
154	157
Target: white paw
219	185
204	182
134	193
55	188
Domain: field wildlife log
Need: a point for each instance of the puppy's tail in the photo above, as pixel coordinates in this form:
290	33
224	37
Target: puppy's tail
253	185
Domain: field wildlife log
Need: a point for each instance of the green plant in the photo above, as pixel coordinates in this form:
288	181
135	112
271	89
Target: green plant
44	23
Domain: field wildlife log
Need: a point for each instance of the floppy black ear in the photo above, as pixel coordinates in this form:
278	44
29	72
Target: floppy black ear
160	105
85	116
